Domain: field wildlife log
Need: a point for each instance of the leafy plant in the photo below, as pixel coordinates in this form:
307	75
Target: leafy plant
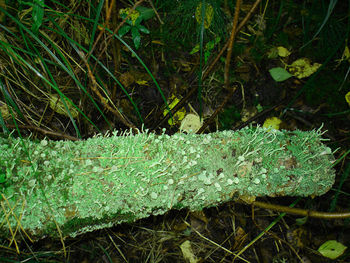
37	12
2	178
208	48
133	23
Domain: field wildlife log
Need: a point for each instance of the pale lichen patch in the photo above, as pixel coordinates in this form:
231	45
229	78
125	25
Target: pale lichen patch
134	175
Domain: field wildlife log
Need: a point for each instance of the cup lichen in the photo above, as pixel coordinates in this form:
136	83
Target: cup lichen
86	185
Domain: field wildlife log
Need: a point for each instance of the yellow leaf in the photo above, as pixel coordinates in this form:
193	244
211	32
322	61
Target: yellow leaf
346	53
195	49
283	52
5	113
209	14
187	252
248	113
142	82
302	68
179	115
57	105
134	14
158	42
272	123
347	98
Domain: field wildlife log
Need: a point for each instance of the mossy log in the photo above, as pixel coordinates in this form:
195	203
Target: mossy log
49	187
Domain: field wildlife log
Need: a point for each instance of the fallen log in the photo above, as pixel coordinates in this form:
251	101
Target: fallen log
51	187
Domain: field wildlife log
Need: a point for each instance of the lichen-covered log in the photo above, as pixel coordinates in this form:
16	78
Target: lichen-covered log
86	185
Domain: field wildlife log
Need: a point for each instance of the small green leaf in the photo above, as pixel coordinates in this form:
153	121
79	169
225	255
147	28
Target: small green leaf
143	29
280	74
2	178
37	15
123	30
259	107
138	21
136	37
332	249
210	45
145	12
301	221
206	56
195	49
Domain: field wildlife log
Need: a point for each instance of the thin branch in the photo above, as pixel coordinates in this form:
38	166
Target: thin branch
301	212
43	131
240	26
108	39
103	100
230	45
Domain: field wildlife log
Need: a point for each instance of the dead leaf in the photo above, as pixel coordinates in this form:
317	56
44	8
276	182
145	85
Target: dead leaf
302	68
57	105
187	252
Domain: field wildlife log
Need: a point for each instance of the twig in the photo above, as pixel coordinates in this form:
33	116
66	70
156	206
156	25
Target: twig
279	239
43	131
227	68
244	21
108	15
155	11
94	85
301	212
214	243
108	39
246	18
217	111
230	45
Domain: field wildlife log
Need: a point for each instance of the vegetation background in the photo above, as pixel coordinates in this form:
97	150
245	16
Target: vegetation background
70	69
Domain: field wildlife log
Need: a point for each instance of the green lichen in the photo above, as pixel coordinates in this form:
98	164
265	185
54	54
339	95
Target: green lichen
87	185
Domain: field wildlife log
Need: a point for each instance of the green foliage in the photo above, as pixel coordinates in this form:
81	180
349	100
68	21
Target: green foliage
2	177
279	74
5	178
39	57
181	25
37	15
133	23
320	19
332	249
37	11
209	46
317	30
